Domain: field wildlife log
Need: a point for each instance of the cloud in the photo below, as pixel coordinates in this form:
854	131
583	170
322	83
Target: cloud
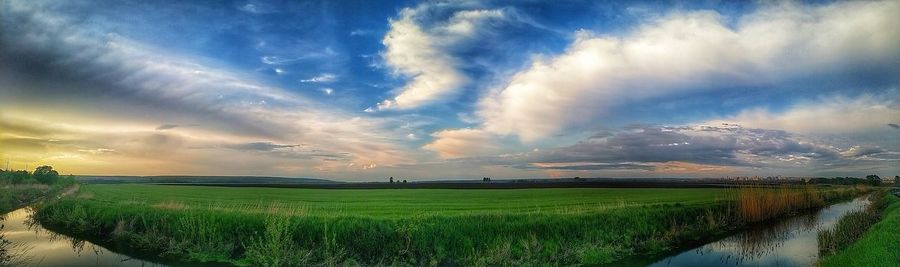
462	143
321	78
259	146
90	65
690	51
166	127
894	125
862	151
827	115
575	166
700	147
288	60
420	46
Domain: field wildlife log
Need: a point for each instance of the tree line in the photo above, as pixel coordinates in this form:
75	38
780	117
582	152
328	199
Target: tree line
874	180
41	175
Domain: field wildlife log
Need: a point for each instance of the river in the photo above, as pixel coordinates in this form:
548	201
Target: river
790	242
28	244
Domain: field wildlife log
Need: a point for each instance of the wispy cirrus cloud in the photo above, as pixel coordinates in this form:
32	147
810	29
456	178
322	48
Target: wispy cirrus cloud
96	63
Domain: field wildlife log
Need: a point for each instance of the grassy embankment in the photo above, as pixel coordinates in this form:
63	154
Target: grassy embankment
270	226
15	196
851	244
18	188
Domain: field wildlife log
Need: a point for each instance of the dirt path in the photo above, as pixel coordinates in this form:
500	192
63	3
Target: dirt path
68	191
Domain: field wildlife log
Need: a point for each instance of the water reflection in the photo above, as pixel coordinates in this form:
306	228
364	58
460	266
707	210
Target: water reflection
792	242
26	243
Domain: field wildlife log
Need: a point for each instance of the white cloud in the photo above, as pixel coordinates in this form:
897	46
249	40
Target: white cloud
233	107
689	51
321	78
457	143
422	54
832	115
327	91
287	60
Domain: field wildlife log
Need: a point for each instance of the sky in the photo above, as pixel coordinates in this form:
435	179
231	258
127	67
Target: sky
364	90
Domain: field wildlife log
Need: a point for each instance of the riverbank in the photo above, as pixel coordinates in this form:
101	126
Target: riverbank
879	245
20	188
270	226
15	196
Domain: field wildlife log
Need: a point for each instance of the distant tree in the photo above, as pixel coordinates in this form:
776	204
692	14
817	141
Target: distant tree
45	175
391	180
873	180
404	181
897	180
486	179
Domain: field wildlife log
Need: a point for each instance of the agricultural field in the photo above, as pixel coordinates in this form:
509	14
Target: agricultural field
277	226
393	203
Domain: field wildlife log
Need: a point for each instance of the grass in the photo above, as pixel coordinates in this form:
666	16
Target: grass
388	203
15	196
852	226
277	227
878	246
761	203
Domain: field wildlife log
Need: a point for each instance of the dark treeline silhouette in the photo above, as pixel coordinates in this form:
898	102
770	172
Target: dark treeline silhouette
869	180
41	175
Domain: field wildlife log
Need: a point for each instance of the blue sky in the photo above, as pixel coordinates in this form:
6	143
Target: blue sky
359	90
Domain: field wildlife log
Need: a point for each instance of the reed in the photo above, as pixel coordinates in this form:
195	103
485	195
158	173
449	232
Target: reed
758	203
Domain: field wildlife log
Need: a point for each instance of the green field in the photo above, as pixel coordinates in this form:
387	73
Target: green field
276	226
395	203
879	246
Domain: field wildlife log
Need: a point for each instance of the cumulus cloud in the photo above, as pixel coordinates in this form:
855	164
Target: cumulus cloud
688	51
827	115
462	143
419	46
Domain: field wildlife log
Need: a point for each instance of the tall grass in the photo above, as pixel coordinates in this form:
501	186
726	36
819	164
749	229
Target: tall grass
15	196
757	203
878	246
852	226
